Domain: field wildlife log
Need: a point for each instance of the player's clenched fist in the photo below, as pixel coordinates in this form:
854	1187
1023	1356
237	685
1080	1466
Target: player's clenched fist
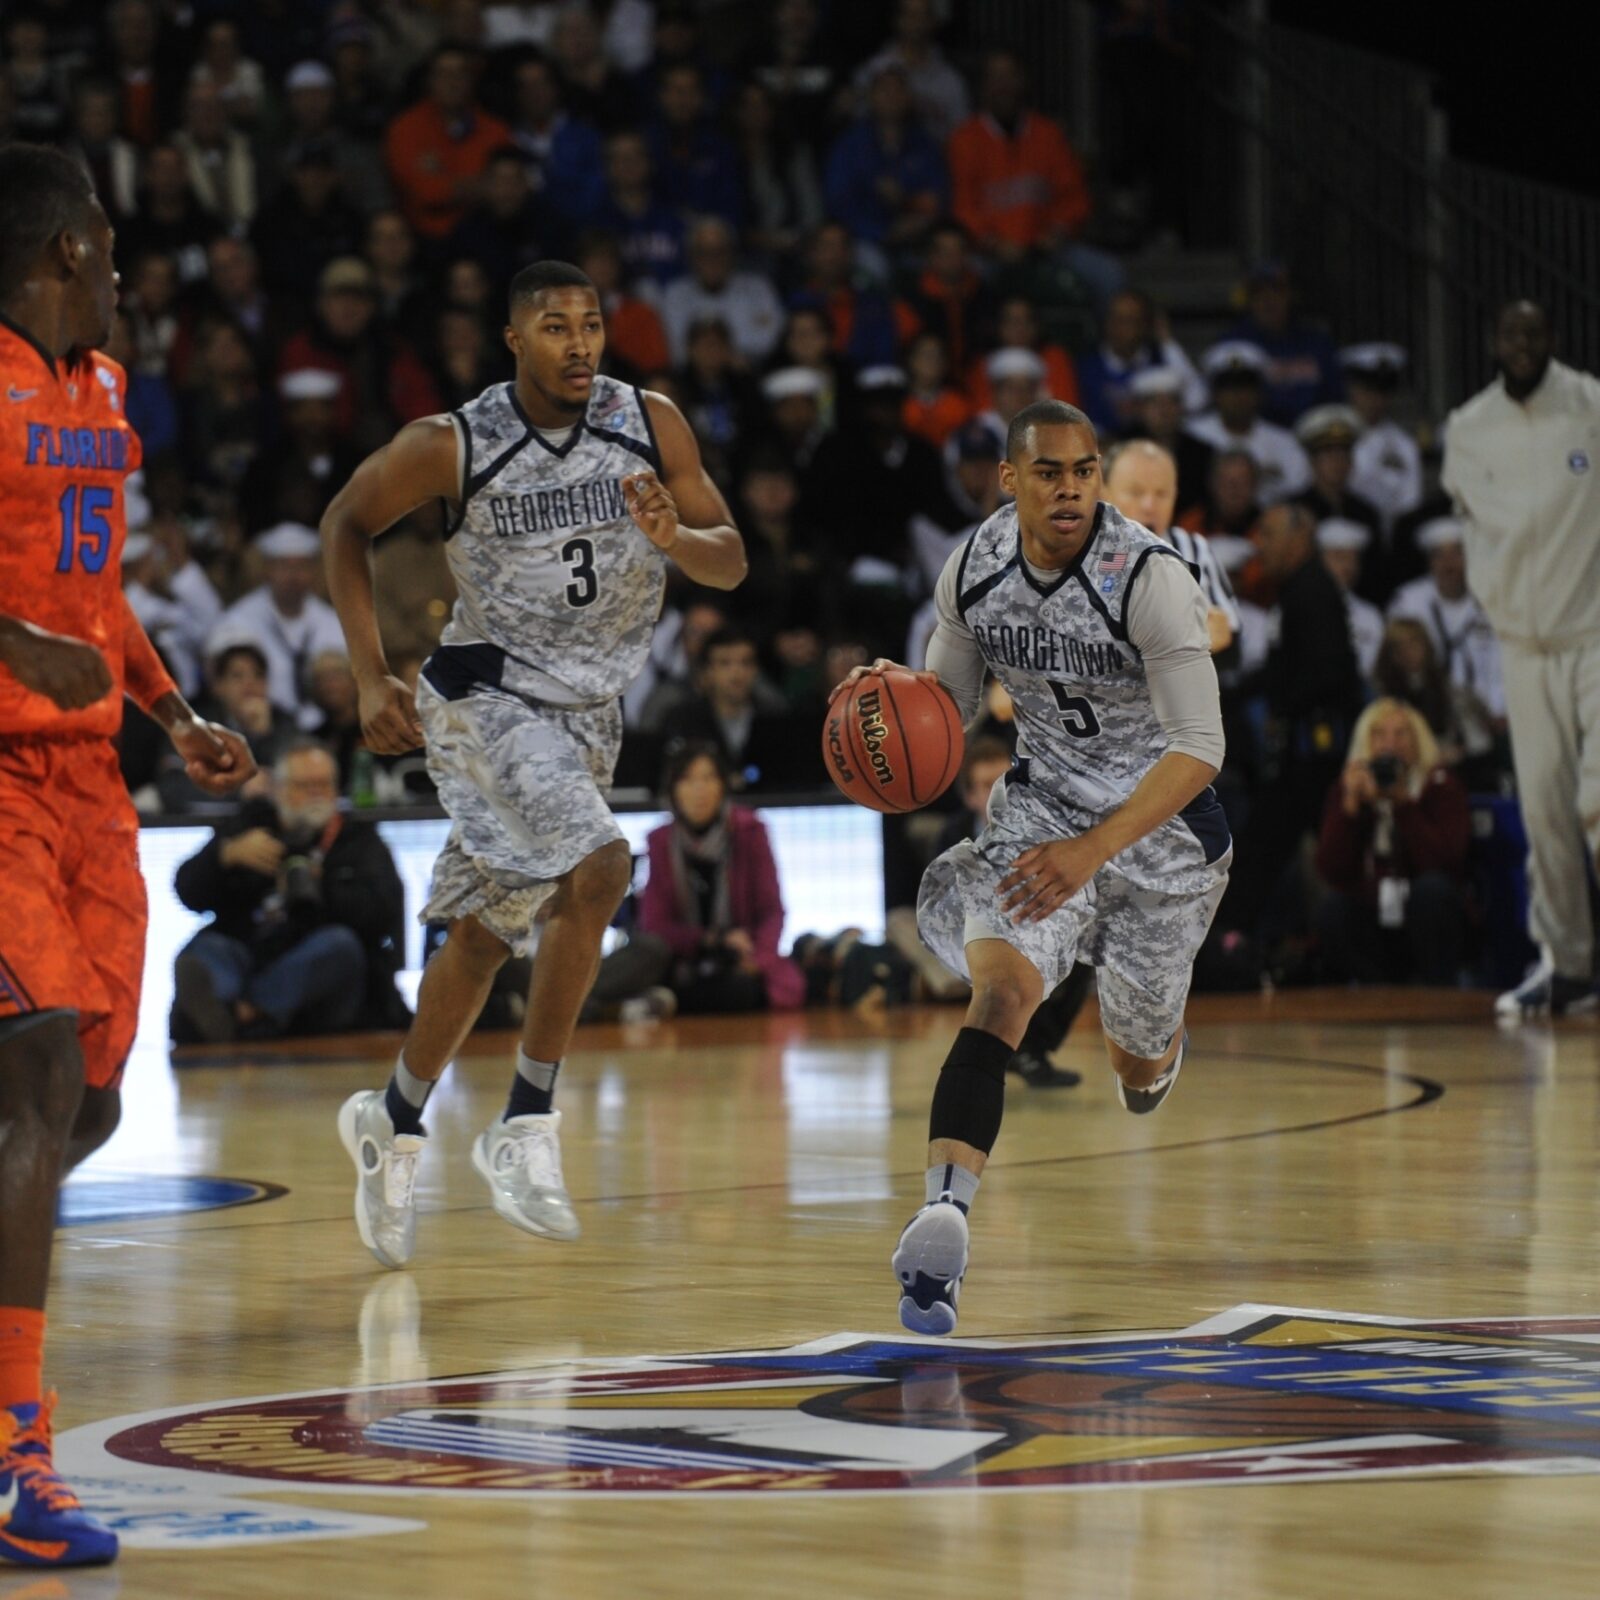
67	671
652	508
389	722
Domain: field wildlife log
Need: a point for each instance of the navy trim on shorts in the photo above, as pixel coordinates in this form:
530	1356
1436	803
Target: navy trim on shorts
1208	822
455	670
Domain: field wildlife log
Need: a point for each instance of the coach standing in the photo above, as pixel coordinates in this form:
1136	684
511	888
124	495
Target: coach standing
1522	460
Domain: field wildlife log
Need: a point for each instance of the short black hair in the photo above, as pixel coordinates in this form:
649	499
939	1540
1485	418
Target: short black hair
726	637
1043	414
223	659
43	192
535	278
681	754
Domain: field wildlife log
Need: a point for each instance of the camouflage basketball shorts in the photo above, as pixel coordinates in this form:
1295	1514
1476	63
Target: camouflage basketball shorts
523	786
1140	921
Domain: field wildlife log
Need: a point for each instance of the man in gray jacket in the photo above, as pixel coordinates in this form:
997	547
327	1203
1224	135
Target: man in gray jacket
1522	461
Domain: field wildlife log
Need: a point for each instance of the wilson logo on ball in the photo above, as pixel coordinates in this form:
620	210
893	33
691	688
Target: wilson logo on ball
874	734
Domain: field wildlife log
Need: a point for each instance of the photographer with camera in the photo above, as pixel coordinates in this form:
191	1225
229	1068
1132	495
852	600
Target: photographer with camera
1392	854
308	912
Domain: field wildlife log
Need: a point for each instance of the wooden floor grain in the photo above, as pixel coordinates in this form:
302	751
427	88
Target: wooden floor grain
741	1184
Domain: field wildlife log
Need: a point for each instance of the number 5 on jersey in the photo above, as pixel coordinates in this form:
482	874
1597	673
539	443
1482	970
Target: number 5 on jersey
1077	715
584	589
85	532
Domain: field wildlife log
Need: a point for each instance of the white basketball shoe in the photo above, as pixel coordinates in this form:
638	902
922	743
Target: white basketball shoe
520	1159
386	1176
930	1262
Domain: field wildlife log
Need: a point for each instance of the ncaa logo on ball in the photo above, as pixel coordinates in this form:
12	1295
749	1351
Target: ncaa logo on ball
869	707
1579	461
836	750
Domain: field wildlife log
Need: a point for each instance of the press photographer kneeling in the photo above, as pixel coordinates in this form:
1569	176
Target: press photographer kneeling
308	917
1392	855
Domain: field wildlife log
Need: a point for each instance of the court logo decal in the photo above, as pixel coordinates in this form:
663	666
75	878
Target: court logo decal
1259	1394
99	1198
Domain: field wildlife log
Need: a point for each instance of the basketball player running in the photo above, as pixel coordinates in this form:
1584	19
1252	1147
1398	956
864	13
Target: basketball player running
565	495
1104	840
72	945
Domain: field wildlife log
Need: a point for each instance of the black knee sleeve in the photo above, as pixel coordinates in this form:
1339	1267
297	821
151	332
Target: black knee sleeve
971	1093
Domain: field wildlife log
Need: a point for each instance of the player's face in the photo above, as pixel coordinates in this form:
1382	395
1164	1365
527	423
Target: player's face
1056	483
96	300
1144	486
558	341
698	795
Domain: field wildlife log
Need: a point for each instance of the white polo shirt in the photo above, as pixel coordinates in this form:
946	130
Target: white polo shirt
1525	477
1285	468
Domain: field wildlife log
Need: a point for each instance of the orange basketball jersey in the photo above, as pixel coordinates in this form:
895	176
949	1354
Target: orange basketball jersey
65	449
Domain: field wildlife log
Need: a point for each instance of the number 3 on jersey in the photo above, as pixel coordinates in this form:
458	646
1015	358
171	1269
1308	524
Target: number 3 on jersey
584	589
1077	715
85	532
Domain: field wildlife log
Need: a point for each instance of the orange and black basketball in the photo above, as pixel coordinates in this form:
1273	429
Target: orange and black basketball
892	741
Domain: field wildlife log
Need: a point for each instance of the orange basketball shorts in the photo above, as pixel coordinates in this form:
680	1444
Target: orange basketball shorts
72	901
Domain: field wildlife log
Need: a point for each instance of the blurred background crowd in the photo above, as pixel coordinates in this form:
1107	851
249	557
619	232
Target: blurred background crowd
846	241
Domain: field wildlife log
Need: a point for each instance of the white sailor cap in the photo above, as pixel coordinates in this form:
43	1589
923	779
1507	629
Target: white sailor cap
882	377
787	383
135	502
1014	363
1325	425
308	75
136	547
309	383
1339	533
1155	380
1234	358
1440	531
1377	357
287	540
1232	550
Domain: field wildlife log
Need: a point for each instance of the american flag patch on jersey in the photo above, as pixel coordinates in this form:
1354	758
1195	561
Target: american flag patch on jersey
1115	563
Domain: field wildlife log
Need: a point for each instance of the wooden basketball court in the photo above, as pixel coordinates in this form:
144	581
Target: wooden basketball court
741	1183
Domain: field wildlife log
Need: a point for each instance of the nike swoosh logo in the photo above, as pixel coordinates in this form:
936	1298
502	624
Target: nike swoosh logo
8	1503
15	395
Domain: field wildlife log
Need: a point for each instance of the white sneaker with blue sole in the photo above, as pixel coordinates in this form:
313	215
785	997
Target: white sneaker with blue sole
930	1262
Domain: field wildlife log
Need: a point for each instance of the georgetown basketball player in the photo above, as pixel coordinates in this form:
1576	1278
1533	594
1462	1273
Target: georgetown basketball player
1104	841
565	493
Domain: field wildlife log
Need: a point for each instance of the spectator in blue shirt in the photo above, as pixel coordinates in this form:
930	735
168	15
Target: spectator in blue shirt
868	327
1302	363
697	168
886	180
648	233
567	159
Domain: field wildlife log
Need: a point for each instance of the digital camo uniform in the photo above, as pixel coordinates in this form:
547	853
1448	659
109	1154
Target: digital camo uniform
559	591
1088	733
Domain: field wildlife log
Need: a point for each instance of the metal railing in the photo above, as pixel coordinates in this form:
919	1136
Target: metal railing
1343	171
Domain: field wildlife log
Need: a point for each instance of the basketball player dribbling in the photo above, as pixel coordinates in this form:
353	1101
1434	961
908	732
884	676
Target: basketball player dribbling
72	946
1104	841
565	495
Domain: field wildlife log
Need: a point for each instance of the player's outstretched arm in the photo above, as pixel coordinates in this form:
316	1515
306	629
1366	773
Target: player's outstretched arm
69	671
682	512
421	463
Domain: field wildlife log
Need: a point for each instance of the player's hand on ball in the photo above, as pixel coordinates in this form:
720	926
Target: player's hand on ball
216	759
389	722
1043	879
68	671
652	508
882	664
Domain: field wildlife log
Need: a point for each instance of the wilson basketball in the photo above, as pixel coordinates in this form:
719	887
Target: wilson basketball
892	741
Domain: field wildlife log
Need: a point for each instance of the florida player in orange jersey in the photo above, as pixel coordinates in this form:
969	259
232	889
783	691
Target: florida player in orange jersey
72	937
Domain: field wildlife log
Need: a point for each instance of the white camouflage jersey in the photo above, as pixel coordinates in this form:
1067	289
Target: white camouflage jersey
559	591
1087	724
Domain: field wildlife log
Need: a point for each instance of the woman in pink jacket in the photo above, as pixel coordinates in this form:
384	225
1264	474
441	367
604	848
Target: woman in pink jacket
712	894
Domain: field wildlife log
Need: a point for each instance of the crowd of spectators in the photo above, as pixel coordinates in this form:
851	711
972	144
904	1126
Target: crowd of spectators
842	238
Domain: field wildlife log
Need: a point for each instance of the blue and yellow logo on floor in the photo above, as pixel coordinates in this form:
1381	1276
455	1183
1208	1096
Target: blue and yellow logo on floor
1259	1394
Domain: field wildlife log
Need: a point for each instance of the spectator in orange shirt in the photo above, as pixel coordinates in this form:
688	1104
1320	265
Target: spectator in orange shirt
933	408
1018	184
437	149
949	297
1017	328
636	342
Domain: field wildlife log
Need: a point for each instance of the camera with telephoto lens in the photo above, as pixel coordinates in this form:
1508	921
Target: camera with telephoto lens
1385	771
302	886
